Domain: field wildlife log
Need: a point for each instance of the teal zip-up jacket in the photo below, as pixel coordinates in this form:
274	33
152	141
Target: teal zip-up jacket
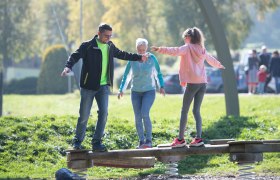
142	75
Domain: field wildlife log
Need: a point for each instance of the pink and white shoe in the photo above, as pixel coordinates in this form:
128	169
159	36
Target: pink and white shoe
197	142
178	143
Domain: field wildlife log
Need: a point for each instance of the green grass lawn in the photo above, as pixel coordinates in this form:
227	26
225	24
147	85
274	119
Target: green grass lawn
36	130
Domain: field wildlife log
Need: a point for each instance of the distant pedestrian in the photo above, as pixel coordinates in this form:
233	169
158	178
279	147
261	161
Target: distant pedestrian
265	57
275	70
253	66
193	75
261	78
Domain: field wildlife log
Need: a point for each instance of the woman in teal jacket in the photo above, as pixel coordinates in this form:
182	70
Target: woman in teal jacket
143	78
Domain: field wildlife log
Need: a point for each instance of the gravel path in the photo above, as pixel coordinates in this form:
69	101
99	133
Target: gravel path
166	177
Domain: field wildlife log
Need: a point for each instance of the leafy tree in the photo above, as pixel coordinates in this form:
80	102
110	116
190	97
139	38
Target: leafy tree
134	19
234	15
265	32
183	14
91	12
15	30
56	23
130	20
14	38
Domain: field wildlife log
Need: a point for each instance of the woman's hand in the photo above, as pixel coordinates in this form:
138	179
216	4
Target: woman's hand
162	91
120	94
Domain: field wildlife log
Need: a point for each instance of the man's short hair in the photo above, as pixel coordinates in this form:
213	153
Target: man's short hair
103	27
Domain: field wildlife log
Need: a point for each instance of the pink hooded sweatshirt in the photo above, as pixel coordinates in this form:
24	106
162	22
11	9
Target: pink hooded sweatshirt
192	69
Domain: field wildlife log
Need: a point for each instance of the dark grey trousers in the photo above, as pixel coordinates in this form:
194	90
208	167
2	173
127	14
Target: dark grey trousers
193	92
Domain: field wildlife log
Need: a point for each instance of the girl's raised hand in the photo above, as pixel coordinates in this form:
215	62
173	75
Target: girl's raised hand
154	48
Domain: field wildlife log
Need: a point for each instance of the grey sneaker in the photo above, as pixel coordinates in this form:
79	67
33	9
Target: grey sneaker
147	144
141	143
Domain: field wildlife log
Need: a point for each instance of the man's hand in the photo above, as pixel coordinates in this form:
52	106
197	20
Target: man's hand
154	48
120	94
145	57
65	71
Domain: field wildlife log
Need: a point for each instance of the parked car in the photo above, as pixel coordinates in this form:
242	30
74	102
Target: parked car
214	79
172	84
241	79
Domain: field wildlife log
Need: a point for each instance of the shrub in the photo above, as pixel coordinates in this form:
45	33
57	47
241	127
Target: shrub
22	86
50	81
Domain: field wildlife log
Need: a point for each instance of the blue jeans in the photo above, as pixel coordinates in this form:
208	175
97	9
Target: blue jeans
142	103
87	97
277	84
261	87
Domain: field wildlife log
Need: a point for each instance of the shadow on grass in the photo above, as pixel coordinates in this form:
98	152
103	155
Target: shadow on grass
227	127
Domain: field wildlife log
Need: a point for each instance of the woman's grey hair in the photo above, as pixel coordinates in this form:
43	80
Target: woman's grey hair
141	41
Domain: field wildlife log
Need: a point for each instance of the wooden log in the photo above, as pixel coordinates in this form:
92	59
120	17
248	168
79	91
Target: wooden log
77	154
157	152
254	146
220	141
80	164
271	141
134	162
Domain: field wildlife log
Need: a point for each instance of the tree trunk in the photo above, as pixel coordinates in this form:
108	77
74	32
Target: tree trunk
221	46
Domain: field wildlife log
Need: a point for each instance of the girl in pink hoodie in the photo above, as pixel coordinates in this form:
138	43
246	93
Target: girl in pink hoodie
192	75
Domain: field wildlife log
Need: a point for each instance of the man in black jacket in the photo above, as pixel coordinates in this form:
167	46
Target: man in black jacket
96	76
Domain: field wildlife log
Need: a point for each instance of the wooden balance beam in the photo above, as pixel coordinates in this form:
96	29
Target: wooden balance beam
240	151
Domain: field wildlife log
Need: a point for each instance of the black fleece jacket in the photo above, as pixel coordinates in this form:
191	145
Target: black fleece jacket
92	62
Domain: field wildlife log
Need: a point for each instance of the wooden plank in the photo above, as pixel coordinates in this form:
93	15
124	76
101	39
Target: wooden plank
80	164
220	141
77	154
255	148
135	162
157	152
164	145
271	141
246	142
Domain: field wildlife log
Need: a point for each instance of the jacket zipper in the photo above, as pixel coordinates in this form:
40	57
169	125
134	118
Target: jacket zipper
86	78
109	65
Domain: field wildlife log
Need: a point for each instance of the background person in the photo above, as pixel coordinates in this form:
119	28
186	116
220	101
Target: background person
265	60
143	91
275	70
253	66
261	79
192	73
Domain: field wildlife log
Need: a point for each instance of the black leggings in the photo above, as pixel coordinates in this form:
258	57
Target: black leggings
196	92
